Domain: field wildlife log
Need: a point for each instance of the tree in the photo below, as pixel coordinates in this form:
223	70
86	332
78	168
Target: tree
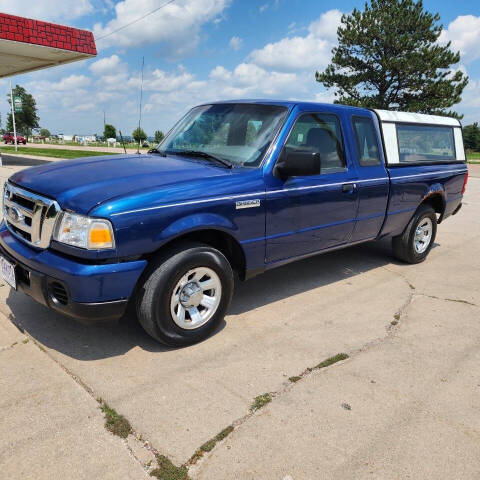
44	132
139	135
109	131
471	136
388	56
27	119
159	136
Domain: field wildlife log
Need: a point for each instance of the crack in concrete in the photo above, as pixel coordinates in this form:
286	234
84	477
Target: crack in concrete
13	345
8	347
421	294
465	302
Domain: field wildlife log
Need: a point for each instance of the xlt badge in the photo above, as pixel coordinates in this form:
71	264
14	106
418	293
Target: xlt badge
247	204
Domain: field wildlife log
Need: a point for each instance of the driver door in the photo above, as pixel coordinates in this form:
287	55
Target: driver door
306	214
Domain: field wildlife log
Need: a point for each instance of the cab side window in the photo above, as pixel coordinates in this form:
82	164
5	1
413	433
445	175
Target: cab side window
366	139
319	133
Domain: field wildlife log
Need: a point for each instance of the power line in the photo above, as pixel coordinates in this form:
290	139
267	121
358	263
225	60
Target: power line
135	21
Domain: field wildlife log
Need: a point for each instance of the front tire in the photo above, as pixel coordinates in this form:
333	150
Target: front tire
185	294
416	241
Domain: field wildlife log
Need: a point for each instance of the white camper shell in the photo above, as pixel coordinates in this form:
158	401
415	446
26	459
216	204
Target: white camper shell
415	138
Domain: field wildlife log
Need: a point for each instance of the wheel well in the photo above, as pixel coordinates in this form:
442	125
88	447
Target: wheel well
220	240
436	202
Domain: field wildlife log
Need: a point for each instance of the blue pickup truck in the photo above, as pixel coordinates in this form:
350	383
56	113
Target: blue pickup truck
235	188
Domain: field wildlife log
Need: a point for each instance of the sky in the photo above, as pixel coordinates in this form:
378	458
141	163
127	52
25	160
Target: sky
198	51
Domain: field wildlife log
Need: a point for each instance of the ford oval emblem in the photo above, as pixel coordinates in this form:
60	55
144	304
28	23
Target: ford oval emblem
16	215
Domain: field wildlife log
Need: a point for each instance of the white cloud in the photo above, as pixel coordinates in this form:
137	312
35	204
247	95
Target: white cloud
221	73
108	65
326	26
85	107
275	4
293	54
470	104
249	80
326	96
162	81
48	10
66	84
301	53
236	43
464	33
176	27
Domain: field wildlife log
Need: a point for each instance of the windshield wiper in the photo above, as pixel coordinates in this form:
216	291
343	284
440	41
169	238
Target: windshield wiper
208	156
159	152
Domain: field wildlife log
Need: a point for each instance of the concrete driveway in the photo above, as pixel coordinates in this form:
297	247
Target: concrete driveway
405	404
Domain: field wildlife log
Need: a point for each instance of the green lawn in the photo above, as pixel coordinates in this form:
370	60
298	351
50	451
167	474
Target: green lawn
473	157
54	152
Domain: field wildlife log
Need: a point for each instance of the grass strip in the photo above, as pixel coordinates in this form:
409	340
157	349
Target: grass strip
260	401
330	361
166	470
210	445
115	423
55	152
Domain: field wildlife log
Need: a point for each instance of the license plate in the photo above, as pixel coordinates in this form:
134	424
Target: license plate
8	272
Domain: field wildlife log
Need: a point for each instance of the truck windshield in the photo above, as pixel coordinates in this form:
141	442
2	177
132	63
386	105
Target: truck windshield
238	134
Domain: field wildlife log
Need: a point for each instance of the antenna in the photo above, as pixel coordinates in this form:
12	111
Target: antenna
123	143
140	112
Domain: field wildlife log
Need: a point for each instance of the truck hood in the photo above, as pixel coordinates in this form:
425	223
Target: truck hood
81	184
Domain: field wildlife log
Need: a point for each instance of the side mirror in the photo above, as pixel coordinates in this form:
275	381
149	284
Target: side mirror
297	163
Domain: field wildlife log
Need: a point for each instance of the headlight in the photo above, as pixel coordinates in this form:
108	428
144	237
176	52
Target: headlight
84	232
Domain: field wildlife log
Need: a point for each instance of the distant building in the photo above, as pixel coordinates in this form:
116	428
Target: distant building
77	138
85	138
65	138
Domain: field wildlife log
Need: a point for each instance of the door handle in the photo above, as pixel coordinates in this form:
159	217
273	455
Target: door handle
348	187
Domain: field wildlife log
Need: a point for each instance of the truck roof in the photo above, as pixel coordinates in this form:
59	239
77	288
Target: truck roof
290	103
384	115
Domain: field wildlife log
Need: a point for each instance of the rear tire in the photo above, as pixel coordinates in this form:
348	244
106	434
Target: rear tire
416	241
185	294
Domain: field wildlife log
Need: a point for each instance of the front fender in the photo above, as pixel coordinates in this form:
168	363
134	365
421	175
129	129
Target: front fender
190	223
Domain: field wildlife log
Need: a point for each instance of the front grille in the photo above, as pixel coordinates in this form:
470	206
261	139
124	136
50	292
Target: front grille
59	293
21	233
24	202
29	216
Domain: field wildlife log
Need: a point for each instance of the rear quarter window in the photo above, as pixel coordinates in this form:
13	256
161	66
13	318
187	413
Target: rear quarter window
424	143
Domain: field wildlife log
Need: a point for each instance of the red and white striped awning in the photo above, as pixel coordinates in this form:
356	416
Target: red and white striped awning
27	45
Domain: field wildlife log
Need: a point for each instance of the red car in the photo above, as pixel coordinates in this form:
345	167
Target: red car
10	138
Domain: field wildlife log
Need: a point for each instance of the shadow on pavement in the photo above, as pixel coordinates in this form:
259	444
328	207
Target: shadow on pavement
89	343
16	161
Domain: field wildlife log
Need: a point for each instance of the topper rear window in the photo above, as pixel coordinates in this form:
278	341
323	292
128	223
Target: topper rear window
425	143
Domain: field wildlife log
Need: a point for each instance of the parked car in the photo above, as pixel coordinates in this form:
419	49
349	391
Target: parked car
10	138
235	187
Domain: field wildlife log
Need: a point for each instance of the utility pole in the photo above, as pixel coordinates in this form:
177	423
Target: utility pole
13	118
141	98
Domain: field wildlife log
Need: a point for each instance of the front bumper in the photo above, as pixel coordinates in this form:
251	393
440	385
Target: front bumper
88	292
